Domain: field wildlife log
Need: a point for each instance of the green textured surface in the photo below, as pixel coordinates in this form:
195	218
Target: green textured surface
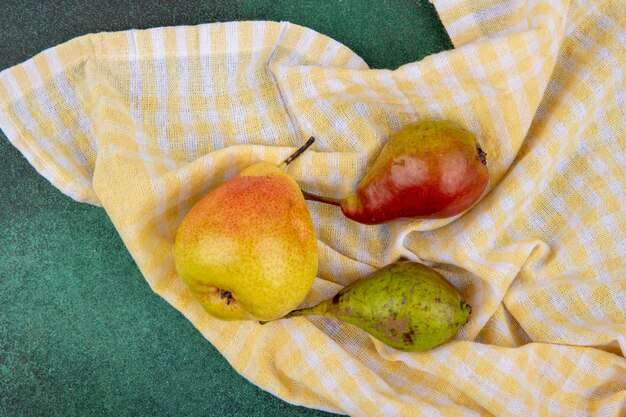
81	333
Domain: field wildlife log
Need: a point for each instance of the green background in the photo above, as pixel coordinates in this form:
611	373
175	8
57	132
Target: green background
81	332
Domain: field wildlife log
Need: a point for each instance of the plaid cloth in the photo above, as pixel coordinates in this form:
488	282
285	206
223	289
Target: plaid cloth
143	123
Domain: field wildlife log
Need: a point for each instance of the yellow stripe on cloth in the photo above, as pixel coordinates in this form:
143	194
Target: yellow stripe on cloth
146	122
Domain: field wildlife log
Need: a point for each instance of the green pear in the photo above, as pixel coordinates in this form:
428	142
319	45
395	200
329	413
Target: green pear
247	250
406	305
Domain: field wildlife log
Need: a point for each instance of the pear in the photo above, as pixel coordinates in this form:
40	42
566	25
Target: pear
406	305
429	169
247	250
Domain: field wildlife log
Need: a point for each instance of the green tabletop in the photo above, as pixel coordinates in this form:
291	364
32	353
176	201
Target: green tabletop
81	332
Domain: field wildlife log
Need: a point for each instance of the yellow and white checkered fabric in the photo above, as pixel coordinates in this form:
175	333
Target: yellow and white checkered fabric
144	123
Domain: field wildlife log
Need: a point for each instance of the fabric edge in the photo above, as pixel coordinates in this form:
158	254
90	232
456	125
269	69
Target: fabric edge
452	15
11	89
44	168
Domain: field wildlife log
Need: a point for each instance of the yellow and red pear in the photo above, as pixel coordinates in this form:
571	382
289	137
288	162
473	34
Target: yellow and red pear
429	170
247	250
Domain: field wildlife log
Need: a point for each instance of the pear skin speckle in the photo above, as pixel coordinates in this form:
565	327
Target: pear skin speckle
251	238
406	305
431	169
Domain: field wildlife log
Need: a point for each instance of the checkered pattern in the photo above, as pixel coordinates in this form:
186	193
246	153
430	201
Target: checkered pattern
144	123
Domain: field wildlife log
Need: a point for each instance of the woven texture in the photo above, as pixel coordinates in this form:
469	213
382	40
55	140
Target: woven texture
144	123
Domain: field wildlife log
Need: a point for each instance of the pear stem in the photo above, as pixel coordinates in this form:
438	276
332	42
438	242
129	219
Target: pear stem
298	313
321	199
298	152
317	310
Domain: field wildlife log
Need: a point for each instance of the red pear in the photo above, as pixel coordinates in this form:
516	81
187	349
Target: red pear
427	170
